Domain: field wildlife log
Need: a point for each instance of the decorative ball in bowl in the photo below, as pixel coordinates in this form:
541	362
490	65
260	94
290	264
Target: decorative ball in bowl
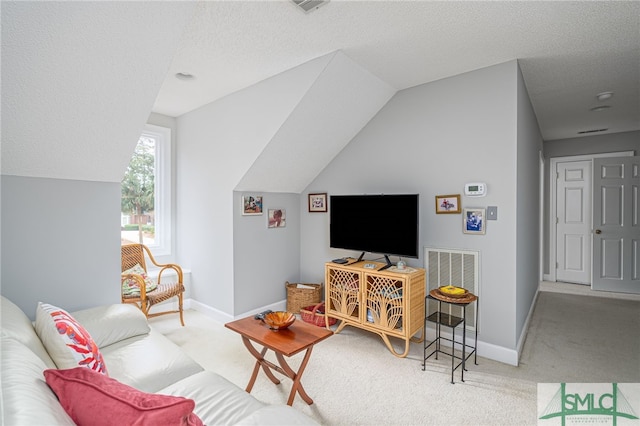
279	320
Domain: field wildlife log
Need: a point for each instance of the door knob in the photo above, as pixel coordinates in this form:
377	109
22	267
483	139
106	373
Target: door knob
598	231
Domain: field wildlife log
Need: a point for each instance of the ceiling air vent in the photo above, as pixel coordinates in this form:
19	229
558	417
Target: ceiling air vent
309	5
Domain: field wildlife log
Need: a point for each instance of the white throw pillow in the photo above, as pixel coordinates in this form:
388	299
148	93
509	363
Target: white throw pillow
130	286
66	341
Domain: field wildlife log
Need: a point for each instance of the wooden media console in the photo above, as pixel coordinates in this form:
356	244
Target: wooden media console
387	302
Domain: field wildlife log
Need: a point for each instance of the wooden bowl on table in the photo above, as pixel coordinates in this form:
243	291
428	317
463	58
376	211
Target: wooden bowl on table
279	320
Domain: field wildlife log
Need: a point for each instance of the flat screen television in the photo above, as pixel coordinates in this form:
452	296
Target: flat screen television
383	224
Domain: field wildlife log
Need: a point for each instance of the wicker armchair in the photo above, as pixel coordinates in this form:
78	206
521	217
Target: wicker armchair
134	254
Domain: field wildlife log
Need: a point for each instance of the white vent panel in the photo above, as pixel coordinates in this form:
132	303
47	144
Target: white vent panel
453	267
309	5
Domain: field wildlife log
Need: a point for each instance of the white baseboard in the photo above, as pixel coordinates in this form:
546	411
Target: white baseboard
223	317
498	353
207	310
525	328
277	306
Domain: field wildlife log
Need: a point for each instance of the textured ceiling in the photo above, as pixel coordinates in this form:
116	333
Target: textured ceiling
79	79
568	51
78	82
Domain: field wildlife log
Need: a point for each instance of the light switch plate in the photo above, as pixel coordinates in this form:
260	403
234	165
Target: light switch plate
492	213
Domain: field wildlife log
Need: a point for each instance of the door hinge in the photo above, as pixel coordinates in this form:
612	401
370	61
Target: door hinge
557	220
557	265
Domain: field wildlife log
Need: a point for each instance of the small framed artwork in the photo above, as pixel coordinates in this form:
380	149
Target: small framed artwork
448	204
473	221
318	203
277	218
251	205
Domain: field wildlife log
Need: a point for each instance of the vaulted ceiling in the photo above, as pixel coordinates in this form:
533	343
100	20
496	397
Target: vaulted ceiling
79	79
568	51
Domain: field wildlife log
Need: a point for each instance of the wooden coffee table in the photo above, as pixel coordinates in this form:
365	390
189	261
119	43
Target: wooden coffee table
298	337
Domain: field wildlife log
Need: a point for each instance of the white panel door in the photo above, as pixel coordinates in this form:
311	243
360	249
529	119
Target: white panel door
573	213
616	221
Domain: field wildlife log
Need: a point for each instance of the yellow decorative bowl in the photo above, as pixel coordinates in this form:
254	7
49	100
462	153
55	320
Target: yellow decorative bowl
279	320
453	291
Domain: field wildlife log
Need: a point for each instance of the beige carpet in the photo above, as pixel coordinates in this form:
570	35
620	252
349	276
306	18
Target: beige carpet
354	380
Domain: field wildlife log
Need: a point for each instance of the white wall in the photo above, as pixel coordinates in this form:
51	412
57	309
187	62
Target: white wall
430	140
265	258
70	122
274	136
596	144
217	144
528	210
60	242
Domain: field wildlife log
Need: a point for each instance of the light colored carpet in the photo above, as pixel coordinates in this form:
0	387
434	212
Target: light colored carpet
354	380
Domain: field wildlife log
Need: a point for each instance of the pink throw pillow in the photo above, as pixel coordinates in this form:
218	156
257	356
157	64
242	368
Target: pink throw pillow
91	398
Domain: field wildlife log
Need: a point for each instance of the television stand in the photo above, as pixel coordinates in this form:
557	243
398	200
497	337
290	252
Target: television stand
388	303
382	268
388	265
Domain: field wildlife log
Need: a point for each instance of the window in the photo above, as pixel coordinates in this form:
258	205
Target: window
146	192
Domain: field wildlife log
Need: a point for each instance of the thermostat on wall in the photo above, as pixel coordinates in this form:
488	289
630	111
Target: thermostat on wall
475	189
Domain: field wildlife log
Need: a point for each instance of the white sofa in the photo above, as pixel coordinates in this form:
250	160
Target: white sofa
135	355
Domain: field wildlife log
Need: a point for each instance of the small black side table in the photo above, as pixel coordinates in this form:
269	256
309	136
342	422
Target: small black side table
440	318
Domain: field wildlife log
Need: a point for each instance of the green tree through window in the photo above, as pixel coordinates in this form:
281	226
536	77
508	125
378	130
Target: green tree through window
138	186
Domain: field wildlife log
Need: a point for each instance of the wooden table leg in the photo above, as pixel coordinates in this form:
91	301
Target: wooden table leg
260	362
296	377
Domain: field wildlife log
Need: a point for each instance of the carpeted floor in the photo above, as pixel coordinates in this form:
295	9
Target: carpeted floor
354	380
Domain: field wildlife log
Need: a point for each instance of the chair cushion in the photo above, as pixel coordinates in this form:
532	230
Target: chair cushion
90	398
66	341
165	292
130	286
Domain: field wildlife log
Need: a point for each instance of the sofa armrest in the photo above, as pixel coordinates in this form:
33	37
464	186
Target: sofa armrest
112	323
26	398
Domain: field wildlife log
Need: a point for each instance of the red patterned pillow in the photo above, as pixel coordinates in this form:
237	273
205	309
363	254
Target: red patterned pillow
90	398
69	344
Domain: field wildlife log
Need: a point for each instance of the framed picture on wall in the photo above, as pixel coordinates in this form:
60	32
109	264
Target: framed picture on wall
318	203
277	218
448	204
473	221
251	205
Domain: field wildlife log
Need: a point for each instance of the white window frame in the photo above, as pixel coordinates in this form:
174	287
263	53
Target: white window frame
163	189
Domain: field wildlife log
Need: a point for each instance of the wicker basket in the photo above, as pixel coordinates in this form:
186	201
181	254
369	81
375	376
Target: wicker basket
297	298
314	314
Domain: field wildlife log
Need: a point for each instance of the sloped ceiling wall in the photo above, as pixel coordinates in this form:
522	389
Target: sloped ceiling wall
79	80
337	105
